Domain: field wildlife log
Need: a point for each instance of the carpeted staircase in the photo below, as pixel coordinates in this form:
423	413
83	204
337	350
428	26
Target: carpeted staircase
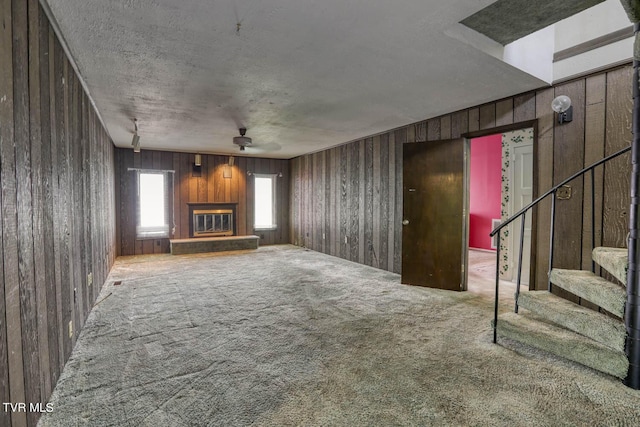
569	330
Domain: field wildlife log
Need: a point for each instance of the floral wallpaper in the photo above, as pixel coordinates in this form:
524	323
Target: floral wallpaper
509	139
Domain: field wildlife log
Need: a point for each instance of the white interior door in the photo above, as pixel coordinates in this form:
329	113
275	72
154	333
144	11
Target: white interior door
522	179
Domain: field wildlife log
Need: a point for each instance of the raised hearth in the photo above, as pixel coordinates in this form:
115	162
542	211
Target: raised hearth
213	244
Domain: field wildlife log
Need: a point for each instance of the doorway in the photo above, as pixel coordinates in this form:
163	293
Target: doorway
485	198
501	183
435	230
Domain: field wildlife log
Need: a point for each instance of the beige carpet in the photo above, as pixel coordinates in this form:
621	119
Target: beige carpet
287	336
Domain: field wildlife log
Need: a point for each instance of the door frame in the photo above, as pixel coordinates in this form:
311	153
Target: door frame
502	129
514	228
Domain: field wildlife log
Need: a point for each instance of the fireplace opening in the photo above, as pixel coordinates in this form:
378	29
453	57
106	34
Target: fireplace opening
212	222
212	219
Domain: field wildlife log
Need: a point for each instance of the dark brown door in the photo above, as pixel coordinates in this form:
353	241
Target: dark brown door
434	231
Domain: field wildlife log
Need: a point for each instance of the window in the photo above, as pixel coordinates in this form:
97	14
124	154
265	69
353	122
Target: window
153	217
265	202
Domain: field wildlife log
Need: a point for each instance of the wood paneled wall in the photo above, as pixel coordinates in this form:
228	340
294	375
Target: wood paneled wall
57	205
209	187
347	201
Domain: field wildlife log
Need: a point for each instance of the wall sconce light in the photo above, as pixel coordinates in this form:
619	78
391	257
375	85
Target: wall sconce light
562	105
198	160
280	175
228	168
136	138
249	173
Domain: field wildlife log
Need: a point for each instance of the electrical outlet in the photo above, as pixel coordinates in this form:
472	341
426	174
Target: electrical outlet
70	328
323	236
346	240
90	279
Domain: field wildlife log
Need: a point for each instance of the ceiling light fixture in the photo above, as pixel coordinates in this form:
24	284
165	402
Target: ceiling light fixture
136	138
242	141
562	105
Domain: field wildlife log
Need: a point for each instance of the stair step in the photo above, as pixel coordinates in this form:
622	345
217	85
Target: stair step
528	329
585	284
597	326
614	260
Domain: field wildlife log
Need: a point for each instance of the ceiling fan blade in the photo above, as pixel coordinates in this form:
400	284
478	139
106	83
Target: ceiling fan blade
264	148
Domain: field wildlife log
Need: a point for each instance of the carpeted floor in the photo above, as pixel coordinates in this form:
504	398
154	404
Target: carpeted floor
287	336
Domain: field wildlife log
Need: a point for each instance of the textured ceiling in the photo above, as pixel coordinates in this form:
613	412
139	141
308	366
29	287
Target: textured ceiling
300	75
506	21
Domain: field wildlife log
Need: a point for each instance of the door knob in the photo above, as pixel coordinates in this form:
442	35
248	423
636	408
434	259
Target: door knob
405	221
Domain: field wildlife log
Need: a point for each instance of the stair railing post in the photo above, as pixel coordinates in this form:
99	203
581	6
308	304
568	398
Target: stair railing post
495	307
523	219
632	308
551	234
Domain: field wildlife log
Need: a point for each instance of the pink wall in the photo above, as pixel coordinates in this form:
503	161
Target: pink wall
485	188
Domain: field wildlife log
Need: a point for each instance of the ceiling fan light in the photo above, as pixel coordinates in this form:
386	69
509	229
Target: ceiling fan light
242	141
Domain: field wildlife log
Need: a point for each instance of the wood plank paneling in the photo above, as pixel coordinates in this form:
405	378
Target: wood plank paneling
249	200
128	192
374	239
22	140
383	184
183	175
400	138
524	107
12	360
334	177
38	201
544	178
445	127
433	130
55	74
594	151
568	159
368	199
209	187
616	172
354	199
421	132
411	131
459	123
46	192
318	203
368	205
392	220
504	112
487	118
344	201
593	182
328	207
58	218
474	119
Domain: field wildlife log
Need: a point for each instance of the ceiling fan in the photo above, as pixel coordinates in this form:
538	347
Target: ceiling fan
244	142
